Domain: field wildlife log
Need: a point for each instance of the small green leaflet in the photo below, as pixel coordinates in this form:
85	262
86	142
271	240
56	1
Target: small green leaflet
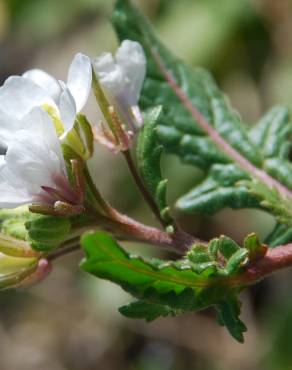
220	144
148	160
203	278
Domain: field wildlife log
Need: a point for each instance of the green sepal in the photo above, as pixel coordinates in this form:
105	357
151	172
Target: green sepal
85	131
148	160
69	154
46	233
78	142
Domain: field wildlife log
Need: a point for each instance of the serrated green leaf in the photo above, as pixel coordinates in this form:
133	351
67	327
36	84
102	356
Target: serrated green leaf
281	234
271	199
228	314
219	189
160	282
199	125
46	233
203	278
148	160
146	311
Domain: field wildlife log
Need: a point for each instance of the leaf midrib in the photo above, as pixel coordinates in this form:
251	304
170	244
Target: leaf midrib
182	281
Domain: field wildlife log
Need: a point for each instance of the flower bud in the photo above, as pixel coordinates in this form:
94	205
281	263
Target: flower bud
117	82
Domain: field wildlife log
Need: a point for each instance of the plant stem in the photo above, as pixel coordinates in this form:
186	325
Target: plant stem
275	259
125	227
69	248
145	193
105	207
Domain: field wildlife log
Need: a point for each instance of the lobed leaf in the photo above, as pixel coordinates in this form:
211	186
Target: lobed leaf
202	129
203	278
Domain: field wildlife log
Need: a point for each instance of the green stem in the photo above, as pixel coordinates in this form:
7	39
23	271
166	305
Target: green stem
101	202
146	195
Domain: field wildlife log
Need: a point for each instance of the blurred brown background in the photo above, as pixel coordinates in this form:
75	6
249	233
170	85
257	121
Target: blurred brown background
70	321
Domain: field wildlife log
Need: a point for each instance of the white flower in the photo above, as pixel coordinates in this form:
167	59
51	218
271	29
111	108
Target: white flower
121	78
33	169
36	88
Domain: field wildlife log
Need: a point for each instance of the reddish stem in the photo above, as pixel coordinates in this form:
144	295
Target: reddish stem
274	260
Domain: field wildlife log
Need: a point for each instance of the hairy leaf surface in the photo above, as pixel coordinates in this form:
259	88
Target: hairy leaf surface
199	125
148	158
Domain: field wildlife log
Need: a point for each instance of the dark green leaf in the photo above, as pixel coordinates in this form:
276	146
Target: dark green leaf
199	125
228	313
146	311
279	236
271	199
148	158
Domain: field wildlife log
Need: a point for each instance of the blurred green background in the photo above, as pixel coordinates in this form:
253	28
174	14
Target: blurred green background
70	321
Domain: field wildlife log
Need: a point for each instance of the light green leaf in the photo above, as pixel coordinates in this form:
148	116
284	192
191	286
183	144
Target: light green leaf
203	278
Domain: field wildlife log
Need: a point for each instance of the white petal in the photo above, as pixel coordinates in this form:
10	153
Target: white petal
8	128
110	74
19	95
130	56
46	81
12	198
67	109
26	159
12	190
79	79
35	155
39	124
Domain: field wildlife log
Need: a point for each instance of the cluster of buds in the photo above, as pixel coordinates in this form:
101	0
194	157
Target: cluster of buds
48	140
